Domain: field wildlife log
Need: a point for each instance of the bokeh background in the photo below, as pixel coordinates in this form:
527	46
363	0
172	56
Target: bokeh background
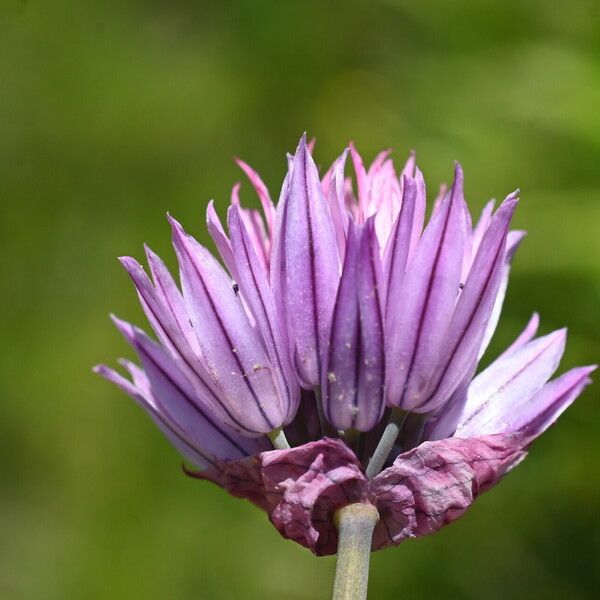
112	113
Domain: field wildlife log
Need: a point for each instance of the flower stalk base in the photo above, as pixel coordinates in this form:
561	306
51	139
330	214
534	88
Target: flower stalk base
355	524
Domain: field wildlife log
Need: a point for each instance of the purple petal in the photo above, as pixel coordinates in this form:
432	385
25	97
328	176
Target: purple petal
536	415
513	241
398	247
353	372
418	215
307	266
533	414
444	421
482	225
524	337
435	483
174	405
233	352
255	288
262	193
168	318
507	382
362	182
335	199
411	165
167	291
217	233
420	316
473	309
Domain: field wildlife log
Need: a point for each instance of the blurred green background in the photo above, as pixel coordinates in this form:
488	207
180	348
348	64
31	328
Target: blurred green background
112	113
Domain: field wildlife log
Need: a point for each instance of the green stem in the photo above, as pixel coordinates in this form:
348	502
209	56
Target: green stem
386	443
279	440
355	524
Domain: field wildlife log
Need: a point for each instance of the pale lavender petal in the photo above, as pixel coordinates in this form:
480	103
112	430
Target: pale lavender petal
177	438
185	417
443	422
232	350
217	233
473	309
254	286
336	202
536	415
418	215
262	193
533	414
385	200
524	337
308	264
417	323
410	166
482	225
362	182
377	162
398	247
171	297
353	371
168	321
509	380
513	241
435	483
173	396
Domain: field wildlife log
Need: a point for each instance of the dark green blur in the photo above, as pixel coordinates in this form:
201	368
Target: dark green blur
112	113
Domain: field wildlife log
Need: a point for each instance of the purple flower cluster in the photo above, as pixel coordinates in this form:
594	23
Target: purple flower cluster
335	314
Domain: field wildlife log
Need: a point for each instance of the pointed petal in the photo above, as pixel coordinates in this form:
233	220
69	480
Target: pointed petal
418	214
232	350
262	193
255	288
169	321
513	241
482	225
473	309
307	265
443	421
536	415
174	406
508	381
410	165
385	200
336	202
180	405
217	233
353	373
362	182
524	337
398	247
176	437
418	323
167	290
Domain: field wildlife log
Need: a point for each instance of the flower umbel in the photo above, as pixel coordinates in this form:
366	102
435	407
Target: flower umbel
339	322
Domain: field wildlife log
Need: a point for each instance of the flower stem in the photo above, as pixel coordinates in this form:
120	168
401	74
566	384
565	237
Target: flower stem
386	443
355	524
279	440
